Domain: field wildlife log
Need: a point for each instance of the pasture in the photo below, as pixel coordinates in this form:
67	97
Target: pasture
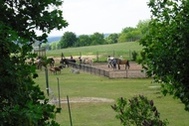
91	98
102	51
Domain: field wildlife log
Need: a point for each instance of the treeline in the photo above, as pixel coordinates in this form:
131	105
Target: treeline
128	34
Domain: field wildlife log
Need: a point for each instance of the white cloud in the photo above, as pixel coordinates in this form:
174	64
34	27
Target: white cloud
104	16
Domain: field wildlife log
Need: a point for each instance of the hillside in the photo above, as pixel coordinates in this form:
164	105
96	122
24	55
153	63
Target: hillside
101	51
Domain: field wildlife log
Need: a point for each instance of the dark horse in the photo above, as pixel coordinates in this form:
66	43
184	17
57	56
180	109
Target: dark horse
67	62
122	62
51	62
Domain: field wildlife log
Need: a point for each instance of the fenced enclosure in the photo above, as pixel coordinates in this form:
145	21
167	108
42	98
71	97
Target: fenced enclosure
101	69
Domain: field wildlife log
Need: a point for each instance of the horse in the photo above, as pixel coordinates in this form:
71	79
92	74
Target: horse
111	62
86	61
67	62
55	69
42	62
51	62
122	62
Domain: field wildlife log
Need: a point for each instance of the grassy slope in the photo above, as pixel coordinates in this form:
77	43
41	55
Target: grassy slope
117	49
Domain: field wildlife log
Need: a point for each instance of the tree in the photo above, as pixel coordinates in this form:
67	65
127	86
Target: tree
112	38
21	100
143	26
165	55
122	37
83	40
54	45
97	39
138	111
129	34
58	45
134	35
68	39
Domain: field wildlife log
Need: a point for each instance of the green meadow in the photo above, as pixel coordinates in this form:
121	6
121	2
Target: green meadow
119	49
86	85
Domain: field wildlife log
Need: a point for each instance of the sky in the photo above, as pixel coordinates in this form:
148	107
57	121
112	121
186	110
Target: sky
103	16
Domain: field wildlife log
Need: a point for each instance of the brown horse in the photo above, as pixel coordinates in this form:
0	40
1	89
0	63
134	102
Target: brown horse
43	62
122	62
55	69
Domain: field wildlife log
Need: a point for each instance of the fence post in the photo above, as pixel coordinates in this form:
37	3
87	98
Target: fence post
47	80
69	111
59	92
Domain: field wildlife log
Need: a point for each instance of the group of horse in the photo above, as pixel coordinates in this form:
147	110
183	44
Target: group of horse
42	62
71	62
114	63
66	62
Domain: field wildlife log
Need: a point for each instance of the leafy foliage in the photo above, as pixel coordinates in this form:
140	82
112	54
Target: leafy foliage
83	40
97	39
138	111
142	26
21	100
134	55
165	53
129	34
112	38
68	39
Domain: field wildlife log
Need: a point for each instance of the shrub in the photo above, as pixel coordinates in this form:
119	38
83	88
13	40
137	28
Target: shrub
138	111
134	55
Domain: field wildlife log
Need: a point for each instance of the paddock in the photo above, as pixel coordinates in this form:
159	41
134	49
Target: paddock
135	70
91	95
102	69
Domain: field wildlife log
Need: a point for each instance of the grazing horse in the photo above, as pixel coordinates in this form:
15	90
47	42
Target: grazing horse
122	62
67	62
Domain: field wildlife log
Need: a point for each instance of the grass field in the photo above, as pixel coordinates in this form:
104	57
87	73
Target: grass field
100	113
119	49
85	85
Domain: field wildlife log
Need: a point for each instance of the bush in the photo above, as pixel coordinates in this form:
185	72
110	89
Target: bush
138	111
134	55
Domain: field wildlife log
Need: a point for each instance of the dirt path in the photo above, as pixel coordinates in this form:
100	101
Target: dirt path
82	100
